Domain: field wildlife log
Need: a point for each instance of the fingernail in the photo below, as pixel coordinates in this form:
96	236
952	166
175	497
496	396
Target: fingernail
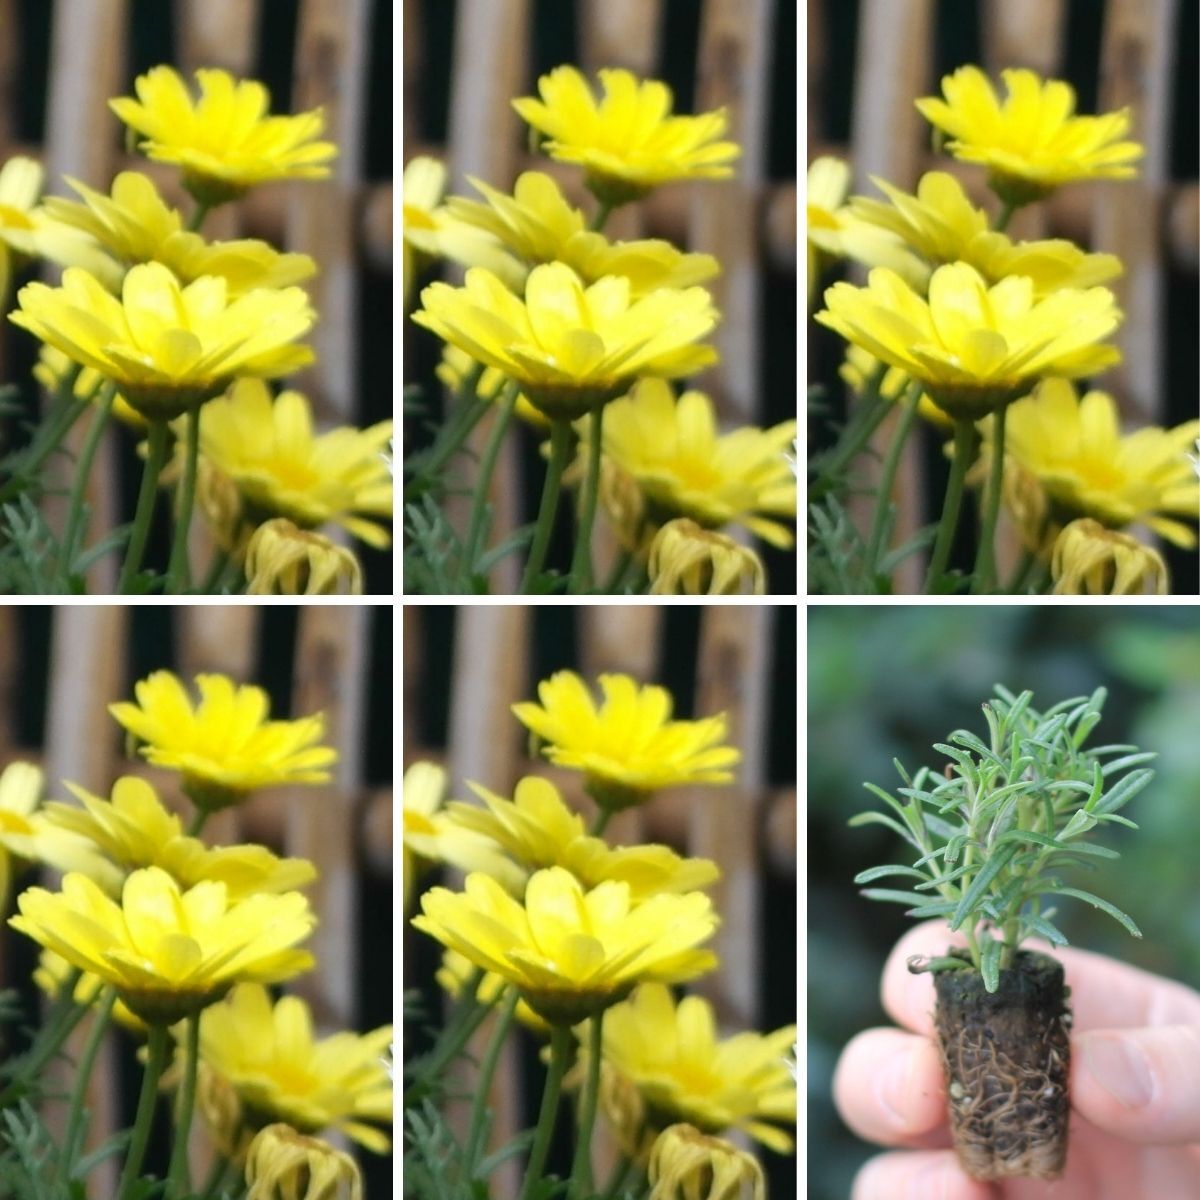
1119	1065
893	1088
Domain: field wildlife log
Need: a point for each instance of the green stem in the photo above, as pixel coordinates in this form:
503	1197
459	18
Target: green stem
965	437
467	1016
145	505
67	409
985	556
177	567
487	469
1020	577
600	824
466	412
199	818
581	560
887	480
216	1176
617	574
581	1168
619	1175
157	1054
476	1135
199	213
216	571
83	1074
872	409
178	1176
600	219
1007	208
560	448
83	471
560	1048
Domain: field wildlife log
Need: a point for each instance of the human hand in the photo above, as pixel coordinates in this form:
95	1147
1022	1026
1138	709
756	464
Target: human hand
1135	1088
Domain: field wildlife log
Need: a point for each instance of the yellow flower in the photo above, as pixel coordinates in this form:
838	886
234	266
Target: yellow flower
169	952
1089	560
284	560
456	365
282	1164
686	1073
224	142
285	469
572	347
859	367
975	348
282	1073
687	560
53	971
686	1164
1075	449
168	347
51	369
224	746
943	226
456	972
570	952
629	142
1033	142
629	746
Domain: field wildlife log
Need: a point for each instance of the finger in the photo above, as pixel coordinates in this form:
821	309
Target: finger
1141	1085
918	1175
888	1088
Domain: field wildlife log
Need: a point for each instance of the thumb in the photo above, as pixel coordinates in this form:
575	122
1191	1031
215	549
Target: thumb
1141	1085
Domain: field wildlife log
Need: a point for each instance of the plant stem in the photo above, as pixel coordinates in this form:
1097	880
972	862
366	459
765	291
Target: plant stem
856	433
476	1135
581	1168
216	570
147	1100
83	1074
985	556
965	437
581	561
600	824
198	214
619	1175
465	414
145	505
197	823
617	574
1008	207
178	1178
560	448
65	412
83	471
600	219
887	480
487	468
177	567
215	1176
560	1046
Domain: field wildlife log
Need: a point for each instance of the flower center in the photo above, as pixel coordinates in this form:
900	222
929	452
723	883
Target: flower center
1100	474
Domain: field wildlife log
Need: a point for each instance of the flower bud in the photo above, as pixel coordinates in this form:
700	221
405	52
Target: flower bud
1090	560
284	560
686	1164
688	560
282	1164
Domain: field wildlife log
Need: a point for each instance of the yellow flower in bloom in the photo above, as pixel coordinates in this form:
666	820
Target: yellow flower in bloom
687	560
456	973
1090	560
169	347
224	142
456	366
686	1164
942	225
282	1164
1075	449
52	973
224	746
283	468
629	746
285	560
975	348
686	1073
280	1072
570	952
629	142
1032	142
51	369
169	952
572	347
859	367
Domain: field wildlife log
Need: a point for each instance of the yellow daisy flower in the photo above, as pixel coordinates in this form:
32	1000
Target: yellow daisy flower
572	953
456	973
1032	142
568	346
975	348
224	746
169	347
456	365
629	142
283	468
224	142
285	560
1075	449
686	468
687	560
858	367
629	746
686	1164
684	1072
281	1072
1090	560
51	975
169	952
282	1164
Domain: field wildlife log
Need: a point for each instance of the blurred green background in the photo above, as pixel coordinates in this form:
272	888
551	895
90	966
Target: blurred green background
886	683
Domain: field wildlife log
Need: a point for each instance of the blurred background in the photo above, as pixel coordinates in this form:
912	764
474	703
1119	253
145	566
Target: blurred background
869	59
886	683
465	60
60	62
59	669
464	668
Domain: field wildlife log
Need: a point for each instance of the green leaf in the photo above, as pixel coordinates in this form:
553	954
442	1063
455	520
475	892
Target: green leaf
1129	760
1040	839
1123	791
874	818
895	897
989	963
1102	905
931	908
980	884
878	872
1047	929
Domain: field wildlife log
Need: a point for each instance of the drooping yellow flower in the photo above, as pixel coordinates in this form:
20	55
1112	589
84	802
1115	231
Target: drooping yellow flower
283	468
225	747
686	1164
1090	560
686	1073
687	468
456	366
282	1164
1074	447
169	347
51	369
284	560
572	347
975	348
688	560
281	1072
629	142
859	367
1032	142
51	975
629	746
456	973
224	141
169	952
